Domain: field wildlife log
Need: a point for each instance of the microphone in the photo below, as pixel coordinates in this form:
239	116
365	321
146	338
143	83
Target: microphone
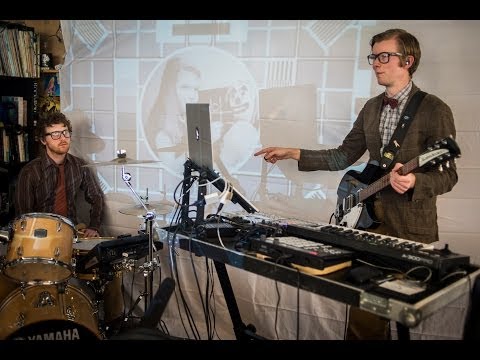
159	302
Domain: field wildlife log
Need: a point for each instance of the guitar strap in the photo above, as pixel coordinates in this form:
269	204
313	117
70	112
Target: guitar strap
391	150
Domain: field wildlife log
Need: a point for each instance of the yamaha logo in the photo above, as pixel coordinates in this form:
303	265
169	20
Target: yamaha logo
67	334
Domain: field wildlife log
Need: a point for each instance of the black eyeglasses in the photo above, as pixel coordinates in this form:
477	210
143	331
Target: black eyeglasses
383	57
58	134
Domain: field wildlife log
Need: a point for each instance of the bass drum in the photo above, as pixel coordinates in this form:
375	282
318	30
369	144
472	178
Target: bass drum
48	312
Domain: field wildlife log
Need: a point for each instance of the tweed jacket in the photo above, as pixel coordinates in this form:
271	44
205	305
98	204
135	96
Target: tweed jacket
412	215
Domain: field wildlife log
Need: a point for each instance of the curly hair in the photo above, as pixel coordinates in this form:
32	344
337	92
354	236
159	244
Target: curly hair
50	119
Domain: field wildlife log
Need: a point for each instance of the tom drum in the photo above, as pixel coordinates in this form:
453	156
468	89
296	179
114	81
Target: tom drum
40	249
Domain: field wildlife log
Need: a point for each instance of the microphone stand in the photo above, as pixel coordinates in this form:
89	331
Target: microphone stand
150	266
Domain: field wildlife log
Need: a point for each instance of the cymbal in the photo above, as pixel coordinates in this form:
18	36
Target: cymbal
160	208
121	161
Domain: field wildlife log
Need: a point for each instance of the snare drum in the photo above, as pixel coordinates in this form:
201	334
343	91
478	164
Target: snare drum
40	249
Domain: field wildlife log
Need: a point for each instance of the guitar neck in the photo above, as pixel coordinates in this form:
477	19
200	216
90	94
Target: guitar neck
384	181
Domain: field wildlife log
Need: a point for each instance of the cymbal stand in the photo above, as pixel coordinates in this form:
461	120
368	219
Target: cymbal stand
150	266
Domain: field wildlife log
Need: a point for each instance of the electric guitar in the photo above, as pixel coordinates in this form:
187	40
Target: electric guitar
354	204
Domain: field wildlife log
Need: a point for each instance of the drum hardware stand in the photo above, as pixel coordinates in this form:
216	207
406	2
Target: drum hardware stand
150	266
130	311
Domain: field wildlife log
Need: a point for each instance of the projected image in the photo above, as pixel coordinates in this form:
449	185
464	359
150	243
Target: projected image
296	83
205	75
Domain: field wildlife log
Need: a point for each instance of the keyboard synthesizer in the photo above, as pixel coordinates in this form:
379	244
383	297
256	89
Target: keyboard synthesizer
390	250
400	251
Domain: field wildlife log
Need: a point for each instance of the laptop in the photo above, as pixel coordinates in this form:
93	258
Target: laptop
199	136
200	150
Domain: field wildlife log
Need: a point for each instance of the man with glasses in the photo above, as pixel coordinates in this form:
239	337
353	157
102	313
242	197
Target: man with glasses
407	208
51	183
38	185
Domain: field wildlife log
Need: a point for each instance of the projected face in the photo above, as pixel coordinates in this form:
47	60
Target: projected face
187	85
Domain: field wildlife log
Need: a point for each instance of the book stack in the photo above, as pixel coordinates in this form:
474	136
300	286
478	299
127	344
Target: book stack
19	51
13	122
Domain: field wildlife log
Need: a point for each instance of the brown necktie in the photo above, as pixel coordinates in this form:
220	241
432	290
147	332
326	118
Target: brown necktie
391	101
60	206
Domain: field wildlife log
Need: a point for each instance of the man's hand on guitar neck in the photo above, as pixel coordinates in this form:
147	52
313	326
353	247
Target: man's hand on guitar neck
401	183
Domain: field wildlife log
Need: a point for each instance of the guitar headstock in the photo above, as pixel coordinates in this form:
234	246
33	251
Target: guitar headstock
442	151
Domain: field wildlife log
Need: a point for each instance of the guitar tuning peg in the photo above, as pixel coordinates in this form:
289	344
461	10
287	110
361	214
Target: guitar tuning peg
440	168
447	164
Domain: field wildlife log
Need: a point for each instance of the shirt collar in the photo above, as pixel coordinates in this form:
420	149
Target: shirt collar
47	161
402	95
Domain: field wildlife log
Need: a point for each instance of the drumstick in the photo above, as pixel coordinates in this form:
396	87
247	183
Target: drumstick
81	229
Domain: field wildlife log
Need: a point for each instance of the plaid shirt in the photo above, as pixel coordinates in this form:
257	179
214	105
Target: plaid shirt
37	182
390	117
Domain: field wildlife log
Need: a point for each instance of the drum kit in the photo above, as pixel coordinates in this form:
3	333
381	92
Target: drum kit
42	251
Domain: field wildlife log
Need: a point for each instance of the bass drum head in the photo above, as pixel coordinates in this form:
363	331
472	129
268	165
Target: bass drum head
48	312
53	330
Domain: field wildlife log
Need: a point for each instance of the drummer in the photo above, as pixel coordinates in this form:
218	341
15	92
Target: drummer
50	184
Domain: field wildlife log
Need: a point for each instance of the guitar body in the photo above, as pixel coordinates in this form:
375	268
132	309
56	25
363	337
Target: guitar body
354	214
355	201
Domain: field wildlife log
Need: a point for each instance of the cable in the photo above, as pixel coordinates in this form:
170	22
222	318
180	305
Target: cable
213	181
459	272
427	278
225	196
331	217
380	267
347	319
197	283
277	261
298	305
213	307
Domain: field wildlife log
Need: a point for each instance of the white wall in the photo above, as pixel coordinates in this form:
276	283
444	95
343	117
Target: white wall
272	82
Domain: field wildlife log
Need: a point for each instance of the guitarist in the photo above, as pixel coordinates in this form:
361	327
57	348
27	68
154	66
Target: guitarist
406	208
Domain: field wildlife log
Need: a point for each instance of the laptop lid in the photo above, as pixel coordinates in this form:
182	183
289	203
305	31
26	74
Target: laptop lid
199	136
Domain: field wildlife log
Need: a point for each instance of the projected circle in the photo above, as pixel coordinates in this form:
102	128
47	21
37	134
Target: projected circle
206	75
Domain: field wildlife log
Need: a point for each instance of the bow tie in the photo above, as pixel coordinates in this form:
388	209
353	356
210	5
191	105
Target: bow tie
391	101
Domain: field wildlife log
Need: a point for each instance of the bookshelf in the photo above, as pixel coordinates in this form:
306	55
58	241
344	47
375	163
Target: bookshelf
19	81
